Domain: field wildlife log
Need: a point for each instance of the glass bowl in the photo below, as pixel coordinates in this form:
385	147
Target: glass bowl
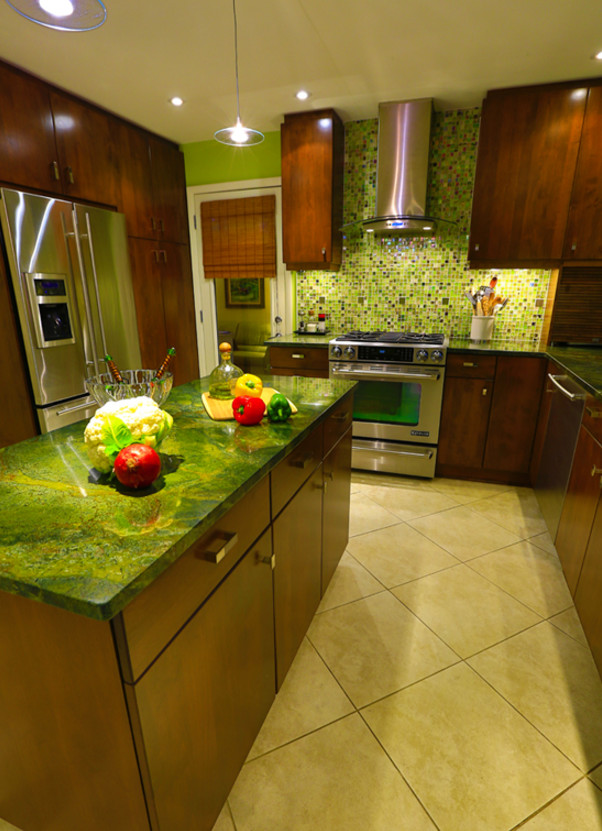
104	388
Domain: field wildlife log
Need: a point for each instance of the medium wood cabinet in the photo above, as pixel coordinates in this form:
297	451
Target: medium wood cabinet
162	281
589	588
583	240
202	702
312	189
153	194
335	505
489	416
307	361
579	507
526	163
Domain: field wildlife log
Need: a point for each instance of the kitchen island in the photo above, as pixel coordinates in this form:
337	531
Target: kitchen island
142	635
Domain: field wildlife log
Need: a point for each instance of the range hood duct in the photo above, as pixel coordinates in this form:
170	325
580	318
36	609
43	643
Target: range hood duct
404	131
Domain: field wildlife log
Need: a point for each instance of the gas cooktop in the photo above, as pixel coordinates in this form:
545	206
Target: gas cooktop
392	337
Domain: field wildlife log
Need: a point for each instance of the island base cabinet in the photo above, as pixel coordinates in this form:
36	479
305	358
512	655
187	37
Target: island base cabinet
335	507
199	707
297	534
67	761
589	590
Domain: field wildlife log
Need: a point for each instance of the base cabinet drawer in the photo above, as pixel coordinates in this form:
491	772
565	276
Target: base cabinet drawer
308	361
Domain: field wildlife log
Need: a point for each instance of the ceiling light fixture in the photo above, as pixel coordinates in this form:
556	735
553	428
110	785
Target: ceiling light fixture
238	136
176	101
64	15
302	95
597	56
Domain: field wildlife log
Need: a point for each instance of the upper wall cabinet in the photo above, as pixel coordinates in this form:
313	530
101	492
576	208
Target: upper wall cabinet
27	146
152	195
312	190
526	163
583	239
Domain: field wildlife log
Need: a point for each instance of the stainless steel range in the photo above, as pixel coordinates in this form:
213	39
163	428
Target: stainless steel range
397	403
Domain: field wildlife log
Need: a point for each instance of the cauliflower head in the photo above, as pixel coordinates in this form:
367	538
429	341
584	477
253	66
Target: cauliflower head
119	423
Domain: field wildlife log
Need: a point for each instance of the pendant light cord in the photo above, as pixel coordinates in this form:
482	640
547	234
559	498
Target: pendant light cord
236	59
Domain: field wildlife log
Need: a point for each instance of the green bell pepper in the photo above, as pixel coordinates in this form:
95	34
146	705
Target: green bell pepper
279	408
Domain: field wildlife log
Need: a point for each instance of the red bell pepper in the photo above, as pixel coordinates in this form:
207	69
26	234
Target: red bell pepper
248	409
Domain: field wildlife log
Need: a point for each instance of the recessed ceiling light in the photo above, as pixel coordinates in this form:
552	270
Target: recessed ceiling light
176	101
597	56
302	95
64	15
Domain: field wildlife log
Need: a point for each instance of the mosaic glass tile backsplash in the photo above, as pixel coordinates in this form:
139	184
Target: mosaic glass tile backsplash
415	283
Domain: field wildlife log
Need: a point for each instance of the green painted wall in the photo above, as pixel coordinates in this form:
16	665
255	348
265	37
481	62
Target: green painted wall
209	162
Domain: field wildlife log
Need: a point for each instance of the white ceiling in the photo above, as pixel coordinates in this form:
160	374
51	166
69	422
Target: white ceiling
351	54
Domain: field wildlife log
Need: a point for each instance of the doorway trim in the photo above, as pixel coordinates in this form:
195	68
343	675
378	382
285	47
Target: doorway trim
204	290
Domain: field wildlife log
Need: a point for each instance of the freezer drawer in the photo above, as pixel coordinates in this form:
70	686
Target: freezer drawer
68	412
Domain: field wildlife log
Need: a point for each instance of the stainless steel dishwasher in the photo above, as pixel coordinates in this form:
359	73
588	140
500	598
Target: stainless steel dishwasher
564	420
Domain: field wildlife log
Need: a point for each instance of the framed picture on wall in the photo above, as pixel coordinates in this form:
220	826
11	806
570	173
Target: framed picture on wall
245	292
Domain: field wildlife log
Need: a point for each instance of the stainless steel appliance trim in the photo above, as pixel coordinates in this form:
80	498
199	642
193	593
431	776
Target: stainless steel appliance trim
86	296
89	402
572	396
35	301
386	374
95	278
387	457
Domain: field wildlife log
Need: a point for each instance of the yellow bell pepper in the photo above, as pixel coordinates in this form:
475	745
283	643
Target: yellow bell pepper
248	384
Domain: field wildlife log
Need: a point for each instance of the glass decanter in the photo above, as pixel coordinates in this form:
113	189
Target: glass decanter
224	376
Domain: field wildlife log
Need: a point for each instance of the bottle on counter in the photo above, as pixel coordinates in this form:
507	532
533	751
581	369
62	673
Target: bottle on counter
223	378
311	325
301	327
321	326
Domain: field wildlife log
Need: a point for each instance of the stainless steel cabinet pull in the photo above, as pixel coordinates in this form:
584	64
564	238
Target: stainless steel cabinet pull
69	172
269	561
339	417
324	252
55	170
297	355
156	255
593	413
596	470
161	225
302	463
164	256
153	223
573	396
484	392
216	550
469	363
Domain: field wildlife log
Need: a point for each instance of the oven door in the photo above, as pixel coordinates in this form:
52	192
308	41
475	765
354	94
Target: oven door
399	403
396	414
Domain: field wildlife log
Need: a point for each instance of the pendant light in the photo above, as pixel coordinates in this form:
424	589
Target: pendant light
238	136
64	15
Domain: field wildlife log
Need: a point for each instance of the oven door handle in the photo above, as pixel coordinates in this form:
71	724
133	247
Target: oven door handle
361	375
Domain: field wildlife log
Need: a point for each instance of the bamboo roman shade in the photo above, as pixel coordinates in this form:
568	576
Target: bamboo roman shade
239	237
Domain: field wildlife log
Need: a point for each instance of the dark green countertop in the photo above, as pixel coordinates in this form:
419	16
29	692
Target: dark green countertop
583	363
91	547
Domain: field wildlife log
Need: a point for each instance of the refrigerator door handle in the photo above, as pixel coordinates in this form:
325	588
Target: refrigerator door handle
82	273
95	278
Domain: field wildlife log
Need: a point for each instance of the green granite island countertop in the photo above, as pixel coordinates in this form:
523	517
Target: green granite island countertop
306	339
91	547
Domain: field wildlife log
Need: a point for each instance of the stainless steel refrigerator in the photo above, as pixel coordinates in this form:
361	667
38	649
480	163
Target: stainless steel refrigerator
70	271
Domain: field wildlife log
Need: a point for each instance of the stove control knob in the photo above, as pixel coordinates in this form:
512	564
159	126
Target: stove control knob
422	355
336	352
437	355
350	351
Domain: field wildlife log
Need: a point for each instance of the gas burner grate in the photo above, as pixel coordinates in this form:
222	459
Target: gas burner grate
393	337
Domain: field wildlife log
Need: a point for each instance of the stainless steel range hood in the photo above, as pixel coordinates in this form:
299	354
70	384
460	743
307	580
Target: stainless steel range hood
404	129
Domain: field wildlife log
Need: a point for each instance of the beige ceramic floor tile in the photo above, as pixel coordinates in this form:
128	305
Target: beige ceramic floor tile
309	698
464	609
596	776
376	646
517	510
223	823
399	553
472	760
569	622
336	779
544	541
349	582
463	533
528	573
552	680
365	515
407	503
578	809
464	491
6	826
365	477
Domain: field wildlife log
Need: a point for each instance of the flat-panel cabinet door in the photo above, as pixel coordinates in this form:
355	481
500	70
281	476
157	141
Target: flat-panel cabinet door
335	506
298	570
579	507
136	186
87	155
28	155
169	191
180	314
202	702
589	589
464	421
